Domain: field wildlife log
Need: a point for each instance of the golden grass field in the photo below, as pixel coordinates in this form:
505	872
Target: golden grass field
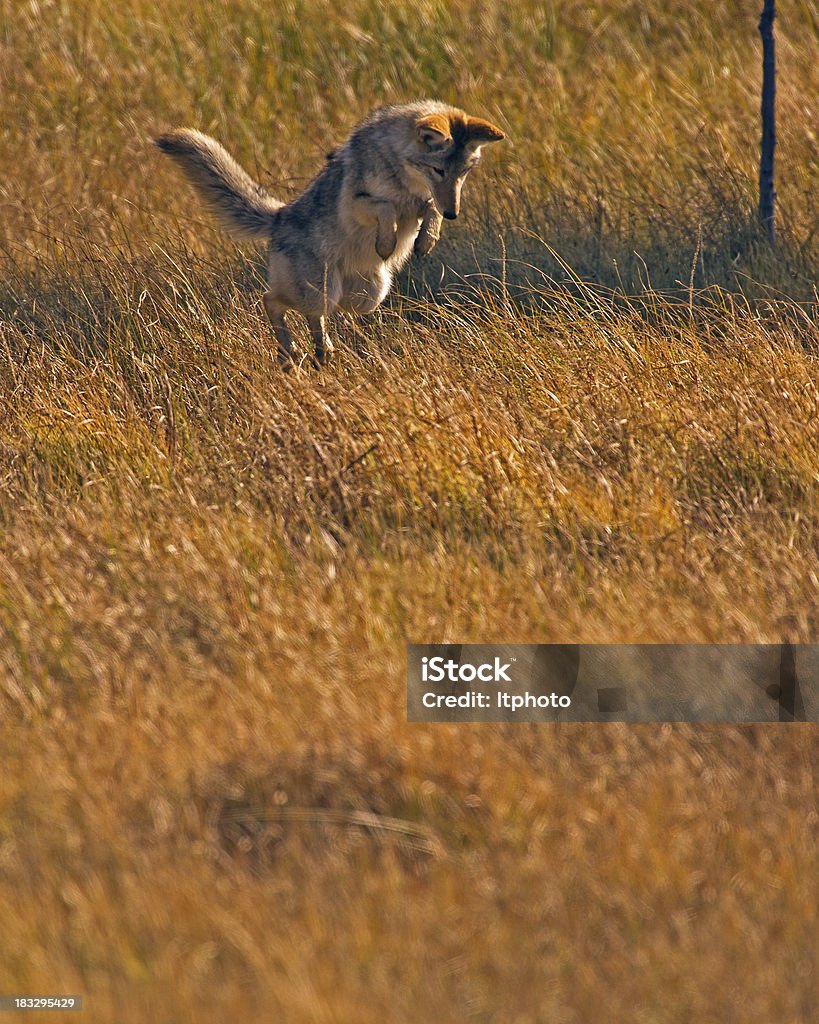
591	415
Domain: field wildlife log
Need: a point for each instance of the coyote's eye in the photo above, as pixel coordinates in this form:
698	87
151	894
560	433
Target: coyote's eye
439	172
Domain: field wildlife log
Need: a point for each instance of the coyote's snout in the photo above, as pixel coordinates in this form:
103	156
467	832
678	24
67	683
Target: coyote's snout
380	197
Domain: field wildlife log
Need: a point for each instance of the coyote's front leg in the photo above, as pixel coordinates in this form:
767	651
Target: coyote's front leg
380	214
430	231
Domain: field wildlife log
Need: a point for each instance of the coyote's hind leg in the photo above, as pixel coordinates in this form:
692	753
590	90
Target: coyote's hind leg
321	339
275	314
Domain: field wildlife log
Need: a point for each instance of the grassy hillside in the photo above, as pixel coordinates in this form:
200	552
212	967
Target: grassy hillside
591	415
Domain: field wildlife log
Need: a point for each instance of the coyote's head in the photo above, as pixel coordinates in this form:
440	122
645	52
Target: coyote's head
447	147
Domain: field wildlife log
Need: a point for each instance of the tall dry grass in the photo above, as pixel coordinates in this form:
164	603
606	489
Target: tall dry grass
592	415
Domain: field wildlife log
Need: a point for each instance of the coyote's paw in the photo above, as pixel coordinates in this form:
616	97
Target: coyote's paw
424	244
429	233
286	358
386	239
323	355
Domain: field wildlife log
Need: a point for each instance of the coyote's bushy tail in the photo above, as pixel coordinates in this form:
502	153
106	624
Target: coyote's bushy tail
242	207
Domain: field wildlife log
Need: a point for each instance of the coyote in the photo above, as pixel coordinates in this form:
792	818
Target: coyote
379	197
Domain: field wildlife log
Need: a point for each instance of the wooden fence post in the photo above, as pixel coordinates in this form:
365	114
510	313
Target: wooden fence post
767	193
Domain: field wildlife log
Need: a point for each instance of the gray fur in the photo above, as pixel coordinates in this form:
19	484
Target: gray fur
241	206
379	197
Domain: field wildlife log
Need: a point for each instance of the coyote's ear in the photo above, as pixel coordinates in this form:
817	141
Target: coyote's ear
433	131
479	131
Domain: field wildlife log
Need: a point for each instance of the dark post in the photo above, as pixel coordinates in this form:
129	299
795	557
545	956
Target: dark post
766	161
